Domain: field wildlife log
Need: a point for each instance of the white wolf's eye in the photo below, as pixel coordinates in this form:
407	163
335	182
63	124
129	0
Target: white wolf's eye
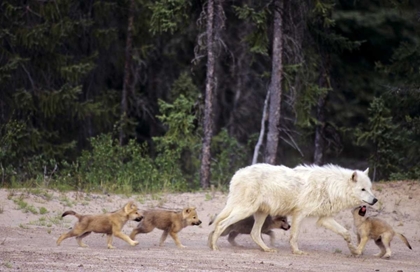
363	189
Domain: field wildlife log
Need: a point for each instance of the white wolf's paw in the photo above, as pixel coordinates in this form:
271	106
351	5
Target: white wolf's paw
134	243
270	250
299	252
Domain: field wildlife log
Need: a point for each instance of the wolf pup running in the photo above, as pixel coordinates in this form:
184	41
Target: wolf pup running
304	191
170	222
376	229
108	223
245	226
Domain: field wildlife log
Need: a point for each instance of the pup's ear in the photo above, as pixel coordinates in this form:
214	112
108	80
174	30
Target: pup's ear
354	176
366	172
129	207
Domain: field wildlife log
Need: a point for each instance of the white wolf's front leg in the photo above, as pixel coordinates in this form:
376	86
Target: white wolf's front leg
331	224
294	233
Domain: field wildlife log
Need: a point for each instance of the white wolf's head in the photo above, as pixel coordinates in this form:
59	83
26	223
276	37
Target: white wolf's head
362	187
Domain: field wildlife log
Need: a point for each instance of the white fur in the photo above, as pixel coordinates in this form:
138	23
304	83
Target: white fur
263	189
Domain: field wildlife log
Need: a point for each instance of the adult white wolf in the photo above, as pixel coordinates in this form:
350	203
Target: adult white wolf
263	189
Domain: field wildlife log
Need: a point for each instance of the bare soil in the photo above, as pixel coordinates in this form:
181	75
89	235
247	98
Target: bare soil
28	240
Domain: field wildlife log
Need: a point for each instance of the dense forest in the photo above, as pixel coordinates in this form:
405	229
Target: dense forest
142	95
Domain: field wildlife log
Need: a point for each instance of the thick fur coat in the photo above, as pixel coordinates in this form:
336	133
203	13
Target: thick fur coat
263	189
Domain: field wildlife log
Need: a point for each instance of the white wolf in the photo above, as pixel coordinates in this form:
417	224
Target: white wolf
263	189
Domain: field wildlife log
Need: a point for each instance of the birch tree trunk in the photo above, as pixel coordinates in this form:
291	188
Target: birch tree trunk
127	73
275	86
208	108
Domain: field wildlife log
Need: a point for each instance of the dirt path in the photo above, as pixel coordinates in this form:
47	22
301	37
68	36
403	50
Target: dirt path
27	240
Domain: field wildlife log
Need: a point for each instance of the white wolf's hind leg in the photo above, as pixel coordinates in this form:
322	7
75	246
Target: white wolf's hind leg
236	214
331	224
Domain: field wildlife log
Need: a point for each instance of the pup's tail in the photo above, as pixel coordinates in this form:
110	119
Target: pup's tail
404	240
71	213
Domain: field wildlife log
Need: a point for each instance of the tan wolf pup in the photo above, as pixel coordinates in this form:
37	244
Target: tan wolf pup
244	226
378	230
171	222
108	223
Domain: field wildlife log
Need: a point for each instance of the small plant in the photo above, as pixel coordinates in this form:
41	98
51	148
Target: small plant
30	208
337	251
208	197
104	210
21	203
8	265
43	210
23	226
66	201
1	209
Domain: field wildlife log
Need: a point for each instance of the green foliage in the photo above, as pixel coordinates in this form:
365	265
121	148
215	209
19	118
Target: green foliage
229	156
168	15
258	39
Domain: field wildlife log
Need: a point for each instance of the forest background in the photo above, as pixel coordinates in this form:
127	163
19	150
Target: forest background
115	95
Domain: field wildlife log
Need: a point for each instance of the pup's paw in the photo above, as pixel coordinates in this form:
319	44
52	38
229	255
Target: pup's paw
181	246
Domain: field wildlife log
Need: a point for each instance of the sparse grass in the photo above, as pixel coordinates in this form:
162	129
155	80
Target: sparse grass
22	226
8	265
43	210
140	199
338	251
104	210
41	192
378	188
66	201
48	221
1	209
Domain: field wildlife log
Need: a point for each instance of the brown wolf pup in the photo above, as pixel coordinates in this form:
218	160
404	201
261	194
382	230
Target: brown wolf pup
170	222
108	223
376	229
244	226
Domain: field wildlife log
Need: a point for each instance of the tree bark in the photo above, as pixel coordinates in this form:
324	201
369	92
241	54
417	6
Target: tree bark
275	86
208	109
127	73
262	130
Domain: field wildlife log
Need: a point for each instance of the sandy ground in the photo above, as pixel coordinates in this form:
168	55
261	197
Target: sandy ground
27	240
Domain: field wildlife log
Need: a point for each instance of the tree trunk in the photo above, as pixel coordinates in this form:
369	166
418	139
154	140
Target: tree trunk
275	86
262	130
208	109
320	116
127	73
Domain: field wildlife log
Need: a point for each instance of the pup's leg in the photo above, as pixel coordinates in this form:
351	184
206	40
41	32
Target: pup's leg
109	242
256	231
231	238
121	235
382	247
272	237
176	239
362	245
386	240
76	231
79	239
331	224
163	237
294	233
142	227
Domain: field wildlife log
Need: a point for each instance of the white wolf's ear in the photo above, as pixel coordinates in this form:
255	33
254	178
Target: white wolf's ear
354	176
366	171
